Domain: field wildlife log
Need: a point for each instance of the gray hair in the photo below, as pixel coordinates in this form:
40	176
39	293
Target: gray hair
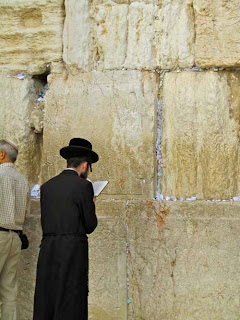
10	151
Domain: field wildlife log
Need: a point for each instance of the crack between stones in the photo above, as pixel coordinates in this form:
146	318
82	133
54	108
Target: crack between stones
173	264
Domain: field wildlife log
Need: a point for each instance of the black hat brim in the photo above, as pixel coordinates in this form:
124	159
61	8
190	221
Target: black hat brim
77	151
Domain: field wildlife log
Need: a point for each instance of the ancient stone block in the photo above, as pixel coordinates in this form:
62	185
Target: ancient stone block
136	35
78	50
183	260
201	135
111	24
175	35
146	36
116	111
217	33
141	52
30	35
107	254
17	103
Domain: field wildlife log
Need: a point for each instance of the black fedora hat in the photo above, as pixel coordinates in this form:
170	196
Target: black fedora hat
79	147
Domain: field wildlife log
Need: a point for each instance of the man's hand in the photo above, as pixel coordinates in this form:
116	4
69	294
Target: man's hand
94	199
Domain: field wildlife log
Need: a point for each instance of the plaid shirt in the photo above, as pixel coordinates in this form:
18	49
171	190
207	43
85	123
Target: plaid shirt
14	197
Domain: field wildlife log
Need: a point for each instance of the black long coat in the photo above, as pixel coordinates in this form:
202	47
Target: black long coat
67	216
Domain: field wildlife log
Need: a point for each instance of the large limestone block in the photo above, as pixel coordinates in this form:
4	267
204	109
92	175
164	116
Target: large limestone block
114	110
124	36
175	35
183	261
145	35
141	52
135	35
78	49
17	103
108	283
217	32
30	35
200	147
111	26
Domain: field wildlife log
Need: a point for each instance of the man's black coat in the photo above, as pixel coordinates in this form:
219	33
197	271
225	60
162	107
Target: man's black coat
67	216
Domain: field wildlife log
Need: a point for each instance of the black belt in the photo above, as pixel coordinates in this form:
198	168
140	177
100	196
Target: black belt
79	235
4	229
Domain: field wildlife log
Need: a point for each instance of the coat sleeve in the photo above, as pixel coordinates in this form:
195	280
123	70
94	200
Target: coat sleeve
88	208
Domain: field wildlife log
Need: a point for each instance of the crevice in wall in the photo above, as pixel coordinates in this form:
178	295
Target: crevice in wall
43	76
37	115
173	264
198	69
159	149
158	145
195	29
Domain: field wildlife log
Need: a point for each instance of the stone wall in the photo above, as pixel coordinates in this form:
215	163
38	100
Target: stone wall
154	85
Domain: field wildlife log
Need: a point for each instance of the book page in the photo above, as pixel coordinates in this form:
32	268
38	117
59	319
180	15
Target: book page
98	187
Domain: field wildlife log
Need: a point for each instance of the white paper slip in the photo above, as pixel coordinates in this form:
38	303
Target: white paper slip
35	192
98	187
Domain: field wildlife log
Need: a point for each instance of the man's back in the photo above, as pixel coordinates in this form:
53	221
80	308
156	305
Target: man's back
67	205
14	195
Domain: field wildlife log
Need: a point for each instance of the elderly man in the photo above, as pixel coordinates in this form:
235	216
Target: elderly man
14	204
67	216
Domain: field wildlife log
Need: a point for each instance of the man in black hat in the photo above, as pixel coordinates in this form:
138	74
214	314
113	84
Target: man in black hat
67	216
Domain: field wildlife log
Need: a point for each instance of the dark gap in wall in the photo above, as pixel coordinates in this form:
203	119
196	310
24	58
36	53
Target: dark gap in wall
42	77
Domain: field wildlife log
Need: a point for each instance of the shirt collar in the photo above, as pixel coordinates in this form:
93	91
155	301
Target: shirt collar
67	171
7	164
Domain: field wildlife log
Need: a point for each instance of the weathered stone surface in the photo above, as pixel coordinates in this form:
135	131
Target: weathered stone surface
30	35
124	36
175	34
107	296
17	103
136	35
114	110
201	135
141	52
183	261
36	118
78	49
111	23
217	32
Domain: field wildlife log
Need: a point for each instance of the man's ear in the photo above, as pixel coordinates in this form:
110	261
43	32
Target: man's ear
2	155
84	165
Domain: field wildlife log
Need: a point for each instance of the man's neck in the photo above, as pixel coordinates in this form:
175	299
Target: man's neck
73	169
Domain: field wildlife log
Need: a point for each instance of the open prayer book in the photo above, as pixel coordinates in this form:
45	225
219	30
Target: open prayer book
98	186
